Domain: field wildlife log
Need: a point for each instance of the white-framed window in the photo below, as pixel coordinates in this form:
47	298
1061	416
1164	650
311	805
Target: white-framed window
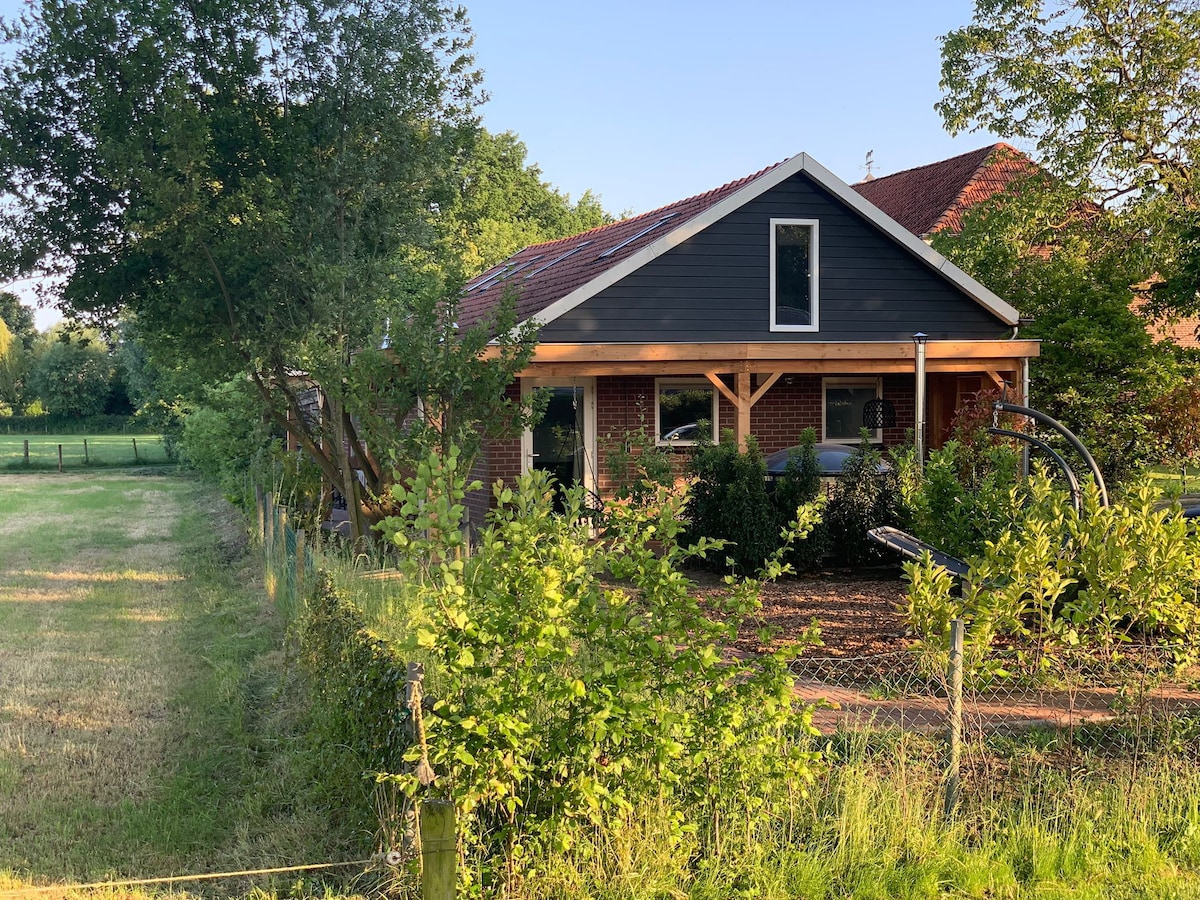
685	411
842	405
794	269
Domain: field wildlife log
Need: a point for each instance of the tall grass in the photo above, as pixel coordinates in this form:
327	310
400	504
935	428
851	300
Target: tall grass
872	827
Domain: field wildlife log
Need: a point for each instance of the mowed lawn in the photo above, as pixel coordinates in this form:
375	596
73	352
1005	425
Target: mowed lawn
140	725
100	450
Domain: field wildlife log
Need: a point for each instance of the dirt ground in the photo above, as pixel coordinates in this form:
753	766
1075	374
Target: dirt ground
856	613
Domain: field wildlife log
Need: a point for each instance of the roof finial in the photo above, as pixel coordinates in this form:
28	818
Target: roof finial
868	165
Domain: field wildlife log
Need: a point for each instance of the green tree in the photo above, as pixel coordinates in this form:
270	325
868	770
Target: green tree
1110	92
72	378
1068	265
500	204
253	181
19	319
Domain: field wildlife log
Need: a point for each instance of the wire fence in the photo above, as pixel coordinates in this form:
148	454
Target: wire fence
1117	704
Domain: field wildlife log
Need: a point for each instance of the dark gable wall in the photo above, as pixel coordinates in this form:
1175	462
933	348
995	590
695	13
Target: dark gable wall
716	286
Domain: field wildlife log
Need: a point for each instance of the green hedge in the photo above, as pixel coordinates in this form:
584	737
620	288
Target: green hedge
357	679
48	424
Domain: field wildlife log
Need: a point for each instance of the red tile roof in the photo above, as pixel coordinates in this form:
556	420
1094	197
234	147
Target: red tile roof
535	290
933	197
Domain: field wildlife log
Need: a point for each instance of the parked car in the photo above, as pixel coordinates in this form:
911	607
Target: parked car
831	457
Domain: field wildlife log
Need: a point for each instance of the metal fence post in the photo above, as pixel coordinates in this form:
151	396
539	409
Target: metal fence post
954	738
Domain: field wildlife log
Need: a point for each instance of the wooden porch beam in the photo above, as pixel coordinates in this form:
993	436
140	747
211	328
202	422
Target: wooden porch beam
777	350
764	387
720	386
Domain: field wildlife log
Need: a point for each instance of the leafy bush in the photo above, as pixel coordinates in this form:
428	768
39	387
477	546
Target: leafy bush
800	484
63	424
729	502
866	496
356	678
969	496
1059	578
569	700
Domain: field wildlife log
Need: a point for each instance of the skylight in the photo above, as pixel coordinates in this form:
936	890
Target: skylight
625	243
558	259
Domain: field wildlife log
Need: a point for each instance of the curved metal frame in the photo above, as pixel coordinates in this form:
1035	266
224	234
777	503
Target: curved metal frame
1076	493
1001	406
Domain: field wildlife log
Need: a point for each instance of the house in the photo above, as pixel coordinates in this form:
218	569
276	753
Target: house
776	302
934	197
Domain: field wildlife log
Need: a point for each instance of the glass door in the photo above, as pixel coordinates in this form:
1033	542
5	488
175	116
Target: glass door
563	443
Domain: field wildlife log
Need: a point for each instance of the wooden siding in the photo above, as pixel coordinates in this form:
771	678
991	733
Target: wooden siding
716	285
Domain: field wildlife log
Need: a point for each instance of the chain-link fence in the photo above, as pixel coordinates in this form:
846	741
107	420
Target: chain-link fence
1114	704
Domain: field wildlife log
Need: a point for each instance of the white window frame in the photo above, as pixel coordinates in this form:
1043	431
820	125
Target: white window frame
588	384
669	382
826	383
813	274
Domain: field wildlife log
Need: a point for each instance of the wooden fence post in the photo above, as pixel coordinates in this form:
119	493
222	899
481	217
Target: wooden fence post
60	459
259	510
439	853
27	451
136	459
299	562
954	738
86	458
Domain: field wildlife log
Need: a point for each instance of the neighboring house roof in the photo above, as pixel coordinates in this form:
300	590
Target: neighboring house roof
550	279
934	197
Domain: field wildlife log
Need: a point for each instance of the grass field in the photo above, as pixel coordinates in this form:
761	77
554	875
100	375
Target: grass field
80	451
147	723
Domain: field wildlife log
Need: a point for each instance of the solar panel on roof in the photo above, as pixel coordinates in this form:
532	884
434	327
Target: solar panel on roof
556	259
495	271
625	243
505	272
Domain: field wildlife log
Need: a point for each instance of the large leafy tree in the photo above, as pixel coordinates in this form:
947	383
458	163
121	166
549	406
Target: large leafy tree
1069	265
254	180
500	204
1110	92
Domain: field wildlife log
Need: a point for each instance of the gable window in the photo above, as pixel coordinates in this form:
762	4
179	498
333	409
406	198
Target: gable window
842	409
794	275
685	411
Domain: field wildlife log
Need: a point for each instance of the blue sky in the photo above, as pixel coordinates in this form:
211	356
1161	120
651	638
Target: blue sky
650	102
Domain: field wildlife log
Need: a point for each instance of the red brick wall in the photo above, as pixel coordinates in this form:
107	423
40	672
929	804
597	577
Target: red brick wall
626	403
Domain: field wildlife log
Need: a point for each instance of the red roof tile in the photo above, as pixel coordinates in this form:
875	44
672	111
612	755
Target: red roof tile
534	292
933	197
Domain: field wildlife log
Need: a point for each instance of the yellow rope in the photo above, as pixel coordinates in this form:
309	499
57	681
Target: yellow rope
207	876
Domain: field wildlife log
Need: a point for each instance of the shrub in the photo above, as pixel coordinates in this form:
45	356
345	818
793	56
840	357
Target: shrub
866	496
566	699
800	484
968	497
1061	578
729	503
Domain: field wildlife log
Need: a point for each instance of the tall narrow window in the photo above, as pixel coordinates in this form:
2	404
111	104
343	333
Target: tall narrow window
793	274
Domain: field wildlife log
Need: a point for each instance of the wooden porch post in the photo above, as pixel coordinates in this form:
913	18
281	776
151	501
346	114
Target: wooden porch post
742	383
